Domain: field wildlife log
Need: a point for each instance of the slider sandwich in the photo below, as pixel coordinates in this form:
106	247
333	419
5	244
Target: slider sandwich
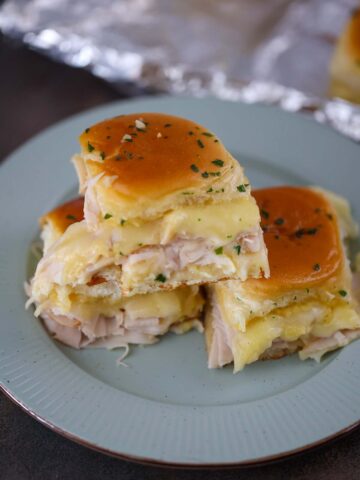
92	314
166	205
345	64
308	304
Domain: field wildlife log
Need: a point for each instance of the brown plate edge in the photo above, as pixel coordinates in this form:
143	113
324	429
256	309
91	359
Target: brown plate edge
189	466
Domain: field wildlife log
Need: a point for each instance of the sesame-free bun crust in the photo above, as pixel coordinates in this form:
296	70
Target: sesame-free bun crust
141	165
64	215
302	237
155	160
345	64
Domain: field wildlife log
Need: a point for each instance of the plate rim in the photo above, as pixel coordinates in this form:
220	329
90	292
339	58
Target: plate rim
256	462
145	460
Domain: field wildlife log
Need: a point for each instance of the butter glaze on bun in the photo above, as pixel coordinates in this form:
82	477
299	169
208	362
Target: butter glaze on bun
146	163
64	215
302	237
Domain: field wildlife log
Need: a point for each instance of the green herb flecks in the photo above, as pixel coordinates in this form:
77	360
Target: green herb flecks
90	147
342	293
265	214
218	162
237	249
219	250
122	221
207	134
279	221
200	143
107	216
87	130
102	155
160	278
194	168
241	188
316	267
71	217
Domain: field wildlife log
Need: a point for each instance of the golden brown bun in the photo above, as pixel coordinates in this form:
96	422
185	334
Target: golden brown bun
345	65
64	215
302	236
150	162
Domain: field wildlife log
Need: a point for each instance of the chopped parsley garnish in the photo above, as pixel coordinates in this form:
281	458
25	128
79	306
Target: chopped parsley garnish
160	278
209	190
200	143
167	125
241	188
191	133
205	174
329	216
140	244
118	158
90	147
107	216
216	141
218	162
343	293
228	236
305	231
87	130
316	267
279	221
122	221
120	253
214	174
264	213
199	219
187	193
108	137
219	250
102	155
276	237
237	249
70	217
207	134
194	168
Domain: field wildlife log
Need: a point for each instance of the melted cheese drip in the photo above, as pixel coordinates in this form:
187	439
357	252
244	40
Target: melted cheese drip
71	258
290	324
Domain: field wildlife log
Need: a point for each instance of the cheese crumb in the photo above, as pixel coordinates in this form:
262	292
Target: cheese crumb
126	138
139	124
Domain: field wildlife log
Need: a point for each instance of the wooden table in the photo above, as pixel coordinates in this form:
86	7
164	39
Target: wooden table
36	92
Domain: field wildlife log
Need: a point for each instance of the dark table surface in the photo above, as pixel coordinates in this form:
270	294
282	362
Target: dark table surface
34	93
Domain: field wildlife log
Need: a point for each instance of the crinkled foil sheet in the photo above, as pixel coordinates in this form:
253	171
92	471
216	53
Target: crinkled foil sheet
266	51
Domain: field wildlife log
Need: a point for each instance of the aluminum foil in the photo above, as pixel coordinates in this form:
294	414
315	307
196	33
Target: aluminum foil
251	50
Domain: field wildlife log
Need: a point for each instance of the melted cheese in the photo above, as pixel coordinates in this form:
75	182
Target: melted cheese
186	302
73	258
290	324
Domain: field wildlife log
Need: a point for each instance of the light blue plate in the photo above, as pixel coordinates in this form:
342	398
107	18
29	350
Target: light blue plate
166	406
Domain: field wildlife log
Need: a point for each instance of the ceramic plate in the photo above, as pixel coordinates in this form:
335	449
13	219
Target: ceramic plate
167	407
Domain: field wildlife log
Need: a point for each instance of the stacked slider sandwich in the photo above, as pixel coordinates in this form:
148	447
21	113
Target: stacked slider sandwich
166	209
308	304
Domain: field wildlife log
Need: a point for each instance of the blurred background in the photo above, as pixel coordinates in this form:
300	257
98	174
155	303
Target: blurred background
58	57
234	49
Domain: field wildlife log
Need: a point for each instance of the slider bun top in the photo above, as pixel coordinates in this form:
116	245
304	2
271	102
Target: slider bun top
64	215
302	236
345	64
147	163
